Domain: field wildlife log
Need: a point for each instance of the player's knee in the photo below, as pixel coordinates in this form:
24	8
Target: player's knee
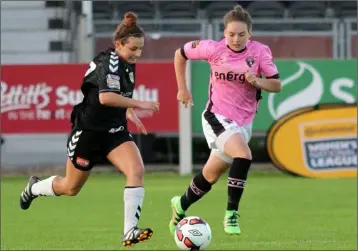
244	155
236	147
211	177
72	191
240	152
136	171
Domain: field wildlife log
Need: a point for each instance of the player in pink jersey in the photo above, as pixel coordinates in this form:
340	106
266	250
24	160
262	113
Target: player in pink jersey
235	88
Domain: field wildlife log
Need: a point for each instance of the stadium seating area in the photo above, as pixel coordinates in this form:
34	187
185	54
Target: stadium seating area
215	9
160	15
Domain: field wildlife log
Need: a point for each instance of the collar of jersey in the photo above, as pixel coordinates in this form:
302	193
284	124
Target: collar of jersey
240	51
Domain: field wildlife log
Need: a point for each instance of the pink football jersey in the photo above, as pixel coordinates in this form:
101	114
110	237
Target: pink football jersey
230	94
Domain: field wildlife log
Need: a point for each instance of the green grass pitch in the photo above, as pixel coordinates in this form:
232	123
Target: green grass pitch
277	212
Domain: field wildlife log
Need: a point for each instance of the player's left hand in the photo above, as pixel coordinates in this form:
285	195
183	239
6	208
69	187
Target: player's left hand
251	78
131	116
185	97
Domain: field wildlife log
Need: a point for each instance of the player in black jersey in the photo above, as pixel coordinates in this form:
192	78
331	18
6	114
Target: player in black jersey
99	126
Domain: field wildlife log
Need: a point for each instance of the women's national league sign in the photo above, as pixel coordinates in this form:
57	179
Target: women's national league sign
317	142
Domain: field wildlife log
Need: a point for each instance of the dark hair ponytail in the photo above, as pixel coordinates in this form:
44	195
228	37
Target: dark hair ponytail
128	28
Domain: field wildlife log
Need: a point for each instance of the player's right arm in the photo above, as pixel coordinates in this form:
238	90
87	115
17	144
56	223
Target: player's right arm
110	93
194	50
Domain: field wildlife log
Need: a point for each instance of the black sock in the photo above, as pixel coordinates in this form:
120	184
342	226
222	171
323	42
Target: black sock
236	181
198	187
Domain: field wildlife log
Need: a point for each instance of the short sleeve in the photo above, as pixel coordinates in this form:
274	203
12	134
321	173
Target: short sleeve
198	49
107	82
267	65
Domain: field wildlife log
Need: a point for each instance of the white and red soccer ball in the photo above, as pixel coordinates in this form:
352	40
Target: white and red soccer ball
192	233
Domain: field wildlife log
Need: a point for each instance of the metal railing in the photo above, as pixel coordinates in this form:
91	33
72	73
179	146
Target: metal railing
71	24
156	28
351	31
340	30
291	28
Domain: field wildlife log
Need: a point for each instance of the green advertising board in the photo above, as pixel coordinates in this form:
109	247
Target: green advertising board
304	83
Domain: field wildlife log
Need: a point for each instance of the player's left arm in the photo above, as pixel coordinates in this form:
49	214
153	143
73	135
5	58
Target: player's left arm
268	68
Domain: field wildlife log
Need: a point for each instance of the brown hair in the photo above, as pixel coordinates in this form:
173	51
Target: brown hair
127	28
238	14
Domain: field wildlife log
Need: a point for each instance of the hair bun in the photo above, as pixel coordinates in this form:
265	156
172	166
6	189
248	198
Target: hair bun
238	8
130	19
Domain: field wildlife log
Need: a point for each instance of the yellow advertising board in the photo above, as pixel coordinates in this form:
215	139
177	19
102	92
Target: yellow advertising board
317	142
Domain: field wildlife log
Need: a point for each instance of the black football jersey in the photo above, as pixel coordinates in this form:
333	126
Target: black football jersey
106	73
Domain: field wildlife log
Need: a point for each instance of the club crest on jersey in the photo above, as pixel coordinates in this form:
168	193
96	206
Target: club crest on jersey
250	61
195	43
131	77
113	81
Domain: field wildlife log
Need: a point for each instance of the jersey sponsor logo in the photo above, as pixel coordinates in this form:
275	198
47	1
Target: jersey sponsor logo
230	76
118	129
113	62
126	94
82	162
113	81
195	43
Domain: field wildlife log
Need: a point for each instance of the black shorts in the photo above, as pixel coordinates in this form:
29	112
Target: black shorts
86	148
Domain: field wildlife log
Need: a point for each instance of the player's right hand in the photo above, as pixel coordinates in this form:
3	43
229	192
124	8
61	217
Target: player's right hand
184	96
149	105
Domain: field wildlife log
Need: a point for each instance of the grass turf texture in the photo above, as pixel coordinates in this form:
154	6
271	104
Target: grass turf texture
277	212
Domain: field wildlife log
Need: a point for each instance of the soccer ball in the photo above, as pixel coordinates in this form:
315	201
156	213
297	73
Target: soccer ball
192	233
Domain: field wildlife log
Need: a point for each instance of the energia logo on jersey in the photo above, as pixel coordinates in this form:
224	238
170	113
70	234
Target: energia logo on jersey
230	76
